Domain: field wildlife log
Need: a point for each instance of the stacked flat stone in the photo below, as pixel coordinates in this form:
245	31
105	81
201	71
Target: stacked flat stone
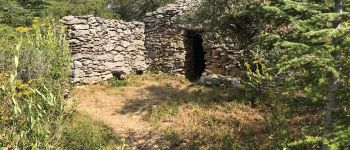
169	49
165	39
223	56
102	47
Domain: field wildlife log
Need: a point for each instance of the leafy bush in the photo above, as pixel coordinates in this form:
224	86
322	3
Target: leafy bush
61	8
229	18
12	13
135	10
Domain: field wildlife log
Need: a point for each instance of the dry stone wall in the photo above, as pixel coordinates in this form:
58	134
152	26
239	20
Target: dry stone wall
169	46
165	38
223	56
223	61
104	48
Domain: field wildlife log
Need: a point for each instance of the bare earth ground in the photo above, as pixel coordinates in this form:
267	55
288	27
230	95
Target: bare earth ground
150	113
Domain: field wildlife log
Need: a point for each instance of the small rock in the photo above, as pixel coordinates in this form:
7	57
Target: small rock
77	64
80	27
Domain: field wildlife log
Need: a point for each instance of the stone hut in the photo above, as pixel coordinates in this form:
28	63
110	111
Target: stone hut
104	48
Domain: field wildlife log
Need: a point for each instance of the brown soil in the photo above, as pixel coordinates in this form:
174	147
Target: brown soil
124	109
127	111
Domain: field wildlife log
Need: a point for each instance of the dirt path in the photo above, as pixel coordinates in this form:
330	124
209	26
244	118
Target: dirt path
157	112
125	110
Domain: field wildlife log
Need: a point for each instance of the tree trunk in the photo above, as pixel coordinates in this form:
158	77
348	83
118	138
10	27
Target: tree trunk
333	84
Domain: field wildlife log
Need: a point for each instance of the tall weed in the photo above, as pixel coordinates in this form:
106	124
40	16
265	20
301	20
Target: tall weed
32	112
7	39
45	52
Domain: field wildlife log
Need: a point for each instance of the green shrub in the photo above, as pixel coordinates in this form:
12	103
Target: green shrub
81	133
63	8
136	10
12	13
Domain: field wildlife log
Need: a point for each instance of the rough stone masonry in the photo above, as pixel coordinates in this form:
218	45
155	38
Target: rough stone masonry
103	48
165	39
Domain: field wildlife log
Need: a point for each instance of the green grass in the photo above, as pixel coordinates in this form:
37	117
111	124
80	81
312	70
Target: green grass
193	116
172	136
229	143
82	133
202	116
159	112
117	83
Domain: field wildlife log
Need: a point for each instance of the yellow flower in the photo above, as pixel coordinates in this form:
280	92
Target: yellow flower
63	28
22	29
246	65
30	81
35	21
27	93
22	86
34	26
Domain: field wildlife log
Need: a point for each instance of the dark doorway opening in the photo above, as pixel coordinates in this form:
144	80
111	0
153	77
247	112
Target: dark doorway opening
195	62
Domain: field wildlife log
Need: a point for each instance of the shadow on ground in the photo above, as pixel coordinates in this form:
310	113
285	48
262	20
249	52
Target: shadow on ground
176	96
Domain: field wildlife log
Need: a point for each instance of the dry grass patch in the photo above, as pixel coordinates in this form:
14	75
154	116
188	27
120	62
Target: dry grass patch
180	114
201	127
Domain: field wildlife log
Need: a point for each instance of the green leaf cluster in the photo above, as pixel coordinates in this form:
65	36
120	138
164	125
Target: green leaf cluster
12	13
21	12
61	8
136	9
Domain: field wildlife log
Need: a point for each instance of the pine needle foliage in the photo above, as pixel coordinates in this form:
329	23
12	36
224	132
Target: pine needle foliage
306	43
